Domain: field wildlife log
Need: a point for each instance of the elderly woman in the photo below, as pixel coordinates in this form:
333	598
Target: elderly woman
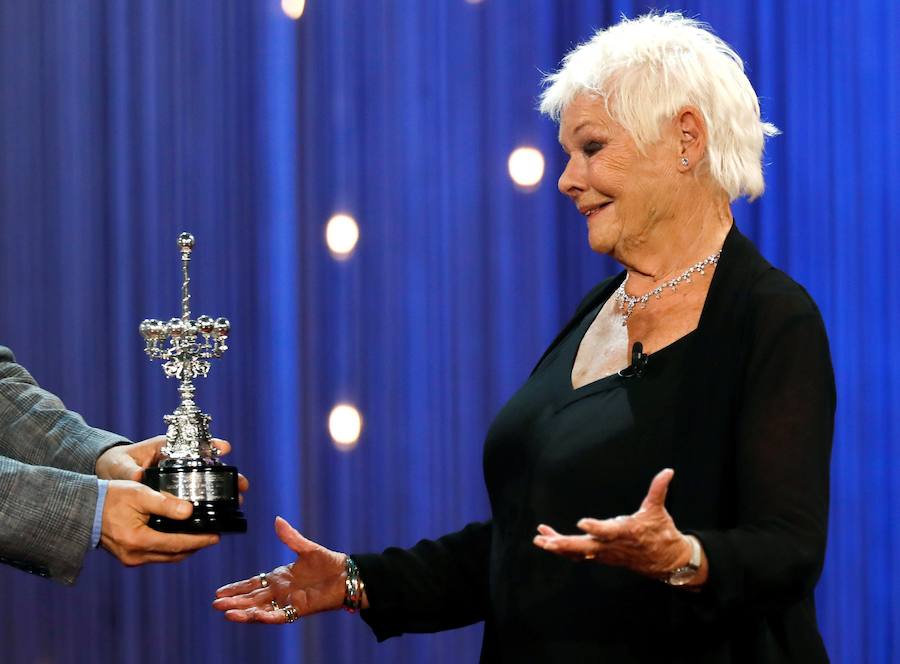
659	485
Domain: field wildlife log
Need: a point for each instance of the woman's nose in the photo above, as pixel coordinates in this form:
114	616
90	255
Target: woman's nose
571	181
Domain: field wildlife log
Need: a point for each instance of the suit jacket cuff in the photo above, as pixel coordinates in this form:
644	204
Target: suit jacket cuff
46	518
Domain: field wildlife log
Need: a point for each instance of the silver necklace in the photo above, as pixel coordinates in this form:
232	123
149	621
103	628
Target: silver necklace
627	303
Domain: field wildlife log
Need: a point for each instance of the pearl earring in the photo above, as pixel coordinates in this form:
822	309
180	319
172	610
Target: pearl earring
684	161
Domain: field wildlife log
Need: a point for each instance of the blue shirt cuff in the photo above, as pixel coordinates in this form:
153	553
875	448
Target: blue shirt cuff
102	486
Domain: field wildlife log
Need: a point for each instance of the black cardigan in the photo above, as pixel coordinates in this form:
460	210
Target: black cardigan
750	442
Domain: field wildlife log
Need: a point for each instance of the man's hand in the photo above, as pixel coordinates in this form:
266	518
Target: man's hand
127	462
125	532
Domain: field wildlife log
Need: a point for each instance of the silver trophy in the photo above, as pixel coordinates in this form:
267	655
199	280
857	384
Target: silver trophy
190	468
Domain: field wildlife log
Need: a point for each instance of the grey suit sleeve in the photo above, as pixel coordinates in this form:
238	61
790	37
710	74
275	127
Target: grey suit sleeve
36	428
46	516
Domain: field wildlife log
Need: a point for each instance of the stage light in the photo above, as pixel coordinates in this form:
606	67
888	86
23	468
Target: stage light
526	166
341	235
344	425
293	8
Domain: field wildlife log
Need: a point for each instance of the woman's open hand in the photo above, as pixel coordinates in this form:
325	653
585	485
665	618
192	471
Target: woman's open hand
646	542
311	584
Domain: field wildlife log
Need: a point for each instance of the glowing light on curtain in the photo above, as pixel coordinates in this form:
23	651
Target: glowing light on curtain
341	235
344	425
526	166
293	8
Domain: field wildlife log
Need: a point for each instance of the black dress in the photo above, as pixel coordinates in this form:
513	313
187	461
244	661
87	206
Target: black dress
742	408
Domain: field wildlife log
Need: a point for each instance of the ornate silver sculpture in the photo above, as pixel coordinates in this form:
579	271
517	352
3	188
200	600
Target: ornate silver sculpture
190	468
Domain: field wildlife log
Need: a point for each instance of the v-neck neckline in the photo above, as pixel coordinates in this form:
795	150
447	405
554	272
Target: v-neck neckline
601	383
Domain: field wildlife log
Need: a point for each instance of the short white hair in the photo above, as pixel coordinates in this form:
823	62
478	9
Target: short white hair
649	68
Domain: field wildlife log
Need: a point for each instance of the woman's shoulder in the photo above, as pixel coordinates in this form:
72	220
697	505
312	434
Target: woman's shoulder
775	294
765	289
782	315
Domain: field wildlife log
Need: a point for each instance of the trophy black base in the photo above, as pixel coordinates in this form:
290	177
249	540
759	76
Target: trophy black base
217	510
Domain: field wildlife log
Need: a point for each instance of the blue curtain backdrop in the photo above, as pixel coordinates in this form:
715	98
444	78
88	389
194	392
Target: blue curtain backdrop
125	122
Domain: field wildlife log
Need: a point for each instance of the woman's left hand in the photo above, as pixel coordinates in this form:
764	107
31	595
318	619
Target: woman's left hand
646	542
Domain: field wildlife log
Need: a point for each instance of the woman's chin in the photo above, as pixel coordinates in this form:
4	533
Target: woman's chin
601	243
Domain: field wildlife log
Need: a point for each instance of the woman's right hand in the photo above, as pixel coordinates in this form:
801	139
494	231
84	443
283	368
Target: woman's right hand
313	583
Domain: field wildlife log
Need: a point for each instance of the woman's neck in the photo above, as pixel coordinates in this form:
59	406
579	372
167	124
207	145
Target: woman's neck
672	247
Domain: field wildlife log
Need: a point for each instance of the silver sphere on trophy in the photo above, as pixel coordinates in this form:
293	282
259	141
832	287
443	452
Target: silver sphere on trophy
190	468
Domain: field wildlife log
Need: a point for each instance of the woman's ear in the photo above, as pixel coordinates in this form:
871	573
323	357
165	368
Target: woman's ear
692	137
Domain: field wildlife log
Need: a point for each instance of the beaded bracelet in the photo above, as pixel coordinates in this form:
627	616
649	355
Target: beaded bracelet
353	587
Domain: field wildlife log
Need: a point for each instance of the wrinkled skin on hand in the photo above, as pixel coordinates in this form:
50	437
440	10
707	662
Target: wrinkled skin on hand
313	583
646	542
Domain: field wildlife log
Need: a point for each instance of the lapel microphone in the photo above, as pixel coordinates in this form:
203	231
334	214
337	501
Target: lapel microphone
638	362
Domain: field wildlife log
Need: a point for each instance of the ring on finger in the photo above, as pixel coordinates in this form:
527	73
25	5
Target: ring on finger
290	613
263	581
275	606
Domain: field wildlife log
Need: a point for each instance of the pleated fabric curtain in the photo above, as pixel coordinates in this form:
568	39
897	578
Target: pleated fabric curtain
124	123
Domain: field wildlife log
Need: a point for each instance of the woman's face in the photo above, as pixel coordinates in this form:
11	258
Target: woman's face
624	194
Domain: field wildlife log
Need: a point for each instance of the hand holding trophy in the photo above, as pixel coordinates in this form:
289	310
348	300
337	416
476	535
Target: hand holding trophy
191	468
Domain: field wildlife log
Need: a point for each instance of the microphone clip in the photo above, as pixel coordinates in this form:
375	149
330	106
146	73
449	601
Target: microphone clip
638	362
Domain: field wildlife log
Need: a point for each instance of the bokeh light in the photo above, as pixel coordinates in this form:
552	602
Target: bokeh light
341	235
344	425
526	166
293	8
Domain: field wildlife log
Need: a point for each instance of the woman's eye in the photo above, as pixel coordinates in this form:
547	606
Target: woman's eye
592	148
